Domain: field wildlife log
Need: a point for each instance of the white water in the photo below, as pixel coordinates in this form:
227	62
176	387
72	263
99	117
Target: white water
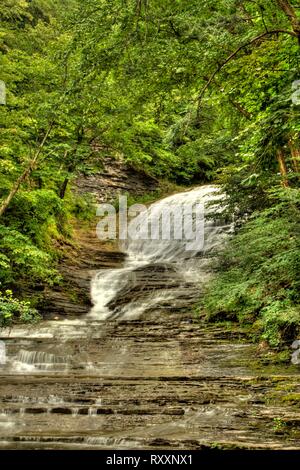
158	274
191	266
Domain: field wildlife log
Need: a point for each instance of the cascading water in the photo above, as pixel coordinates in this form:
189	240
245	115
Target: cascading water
158	253
138	371
161	272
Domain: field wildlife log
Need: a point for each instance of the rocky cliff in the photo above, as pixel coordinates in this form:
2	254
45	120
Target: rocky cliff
115	178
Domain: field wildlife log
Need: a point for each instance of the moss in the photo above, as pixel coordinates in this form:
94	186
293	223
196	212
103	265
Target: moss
286	387
276	357
291	398
224	446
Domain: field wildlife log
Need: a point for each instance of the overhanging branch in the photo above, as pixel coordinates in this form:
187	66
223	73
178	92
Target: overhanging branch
233	54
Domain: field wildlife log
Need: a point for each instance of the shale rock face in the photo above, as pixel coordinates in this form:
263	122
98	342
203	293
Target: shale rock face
144	281
78	267
162	382
115	178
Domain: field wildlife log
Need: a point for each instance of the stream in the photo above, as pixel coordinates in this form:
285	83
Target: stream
140	371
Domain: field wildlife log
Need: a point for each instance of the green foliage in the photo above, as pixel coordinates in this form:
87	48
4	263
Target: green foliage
82	206
12	310
38	214
259	271
279	426
21	259
153	58
37	218
128	79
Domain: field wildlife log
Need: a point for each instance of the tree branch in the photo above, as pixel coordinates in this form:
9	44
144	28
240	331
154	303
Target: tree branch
291	14
233	54
25	173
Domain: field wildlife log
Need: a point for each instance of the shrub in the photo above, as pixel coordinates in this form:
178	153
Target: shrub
12	310
258	274
21	259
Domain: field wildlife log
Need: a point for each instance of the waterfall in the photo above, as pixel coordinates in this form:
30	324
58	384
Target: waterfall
160	262
29	361
164	271
108	381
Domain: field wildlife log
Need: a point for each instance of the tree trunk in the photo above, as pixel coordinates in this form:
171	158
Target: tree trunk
295	154
25	174
63	188
291	14
282	168
14	190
